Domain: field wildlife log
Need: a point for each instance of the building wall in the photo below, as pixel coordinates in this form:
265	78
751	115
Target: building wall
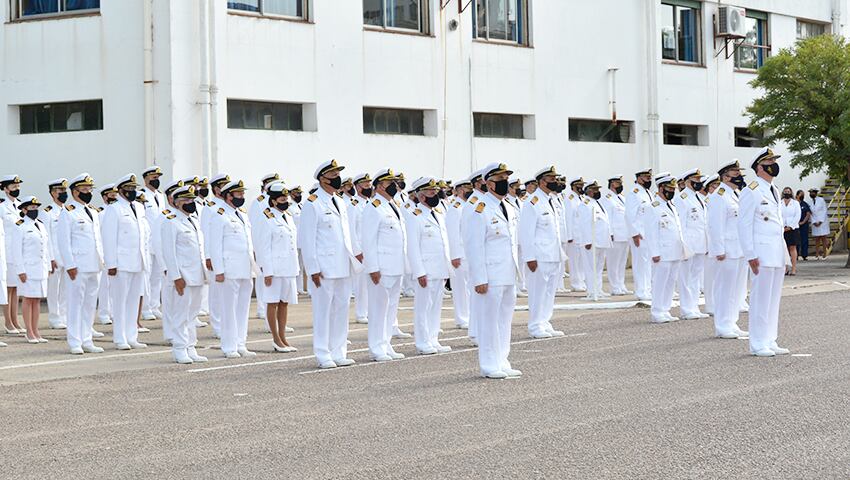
337	66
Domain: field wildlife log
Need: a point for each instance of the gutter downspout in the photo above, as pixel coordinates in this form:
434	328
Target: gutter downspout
212	50
836	17
206	163
148	81
652	62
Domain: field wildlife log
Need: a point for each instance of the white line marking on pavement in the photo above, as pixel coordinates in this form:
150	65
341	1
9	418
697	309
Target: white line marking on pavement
801	354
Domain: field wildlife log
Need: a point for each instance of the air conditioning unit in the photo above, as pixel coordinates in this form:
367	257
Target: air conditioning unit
731	22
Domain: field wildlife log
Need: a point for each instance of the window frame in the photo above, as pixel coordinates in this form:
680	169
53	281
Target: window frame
745	131
52	106
827	28
263	104
424	132
698	35
614	123
16	8
424	20
698	134
763	49
477	116
305	5
524	37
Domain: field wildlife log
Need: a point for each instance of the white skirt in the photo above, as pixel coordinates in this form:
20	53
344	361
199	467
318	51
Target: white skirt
32	288
820	231
12	280
4	299
282	289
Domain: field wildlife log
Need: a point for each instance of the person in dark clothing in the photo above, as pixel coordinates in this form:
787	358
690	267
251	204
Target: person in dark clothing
805	223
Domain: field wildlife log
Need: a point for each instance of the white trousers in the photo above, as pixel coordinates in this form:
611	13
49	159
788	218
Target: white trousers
708	282
361	294
184	309
215	293
746	281
154	277
82	295
235	303
57	303
641	269
726	285
460	294
476	311
427	310
168	311
615	262
125	291
542	285
392	307
330	318
574	259
104	303
593	278
664	276
764	307
261	305
494	331
690	272
381	316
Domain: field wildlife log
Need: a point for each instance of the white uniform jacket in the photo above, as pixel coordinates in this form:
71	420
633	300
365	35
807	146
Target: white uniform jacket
50	218
615	205
230	247
692	216
428	243
593	227
384	238
124	237
454	213
761	227
276	244
30	249
663	232
638	202
539	232
723	223
78	238
324	237
183	249
491	244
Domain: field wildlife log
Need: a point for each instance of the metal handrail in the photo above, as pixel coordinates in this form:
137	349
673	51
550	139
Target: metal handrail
842	223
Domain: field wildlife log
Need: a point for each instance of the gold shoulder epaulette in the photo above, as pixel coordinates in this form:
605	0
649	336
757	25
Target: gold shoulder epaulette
636	190
608	195
268	213
376	202
171	216
243	210
70	208
354	201
456	204
534	200
474	199
721	191
261	198
656	203
48	208
210	203
220	211
480	208
572	195
99	209
407	206
19	222
312	198
684	195
417	212
166	211
754	185
587	201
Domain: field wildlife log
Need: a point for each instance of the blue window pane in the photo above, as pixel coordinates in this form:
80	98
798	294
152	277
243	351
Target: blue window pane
289	8
688	18
39	7
246	5
81	4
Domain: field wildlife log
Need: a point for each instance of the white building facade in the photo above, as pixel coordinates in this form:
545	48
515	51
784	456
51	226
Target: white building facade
436	87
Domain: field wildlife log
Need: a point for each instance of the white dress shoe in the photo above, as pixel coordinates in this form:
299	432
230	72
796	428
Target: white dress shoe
138	345
463	326
283	349
400	334
232	355
328	364
157	314
180	356
671	318
765	352
382	358
59	326
3	345
727	335
660	320
694	316
193	354
556	333
780	351
200	323
344	362
104	320
146	316
12	331
473	340
96	334
203	313
443	348
361	320
426	351
123	346
498	375
742	333
396	355
144	330
42	340
348	342
77	351
541	335
512	372
246	353
289	330
92	349
32	340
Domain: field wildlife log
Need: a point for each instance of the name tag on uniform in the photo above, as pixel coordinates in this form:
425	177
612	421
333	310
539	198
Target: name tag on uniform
495	220
328	213
764	202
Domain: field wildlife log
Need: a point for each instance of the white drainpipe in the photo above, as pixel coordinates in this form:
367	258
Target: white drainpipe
206	163
213	84
652	62
150	143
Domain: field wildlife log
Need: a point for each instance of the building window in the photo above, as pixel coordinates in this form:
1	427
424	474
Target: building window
681	31
754	50
584	130
284	8
502	20
498	125
810	29
744	137
251	115
393	121
62	117
676	134
34	8
397	14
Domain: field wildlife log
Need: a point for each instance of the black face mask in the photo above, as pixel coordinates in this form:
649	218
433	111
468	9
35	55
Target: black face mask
484	188
352	192
62	197
618	190
772	169
366	192
392	189
668	194
441	194
85	197
501	187
739	181
520	193
203	192
402	185
596	195
297	198
553	186
432	201
189	208
335	182
464	194
130	195
14	193
237	202
33	214
415	201
697	186
282	206
787	195
645	183
154	183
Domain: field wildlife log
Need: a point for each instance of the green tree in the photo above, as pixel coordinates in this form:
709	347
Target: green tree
806	105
